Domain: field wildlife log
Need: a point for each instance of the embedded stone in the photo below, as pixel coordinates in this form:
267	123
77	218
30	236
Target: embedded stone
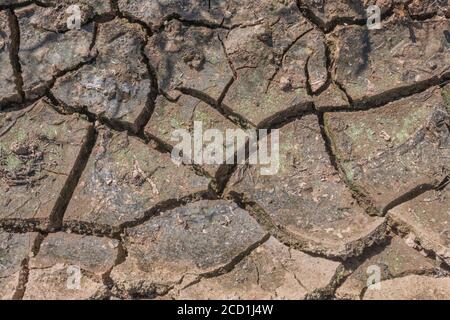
41	154
306	198
390	151
185	244
125	180
117	86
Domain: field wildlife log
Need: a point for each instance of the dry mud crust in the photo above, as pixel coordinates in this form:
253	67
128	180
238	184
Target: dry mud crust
422	9
332	98
271	271
328	13
125	181
15	250
182	114
393	151
45	54
395	260
412	287
180	246
62	258
191	58
277	67
117	86
114	207
53	15
376	66
213	14
41	155
9	3
8	88
155	12
425	219
306	198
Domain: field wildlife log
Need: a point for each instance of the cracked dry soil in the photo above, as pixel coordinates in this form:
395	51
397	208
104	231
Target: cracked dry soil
86	178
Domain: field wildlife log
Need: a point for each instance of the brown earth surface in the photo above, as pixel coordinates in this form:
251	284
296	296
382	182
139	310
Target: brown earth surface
93	207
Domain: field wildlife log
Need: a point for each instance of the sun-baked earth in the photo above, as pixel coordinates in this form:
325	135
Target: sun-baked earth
93	207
